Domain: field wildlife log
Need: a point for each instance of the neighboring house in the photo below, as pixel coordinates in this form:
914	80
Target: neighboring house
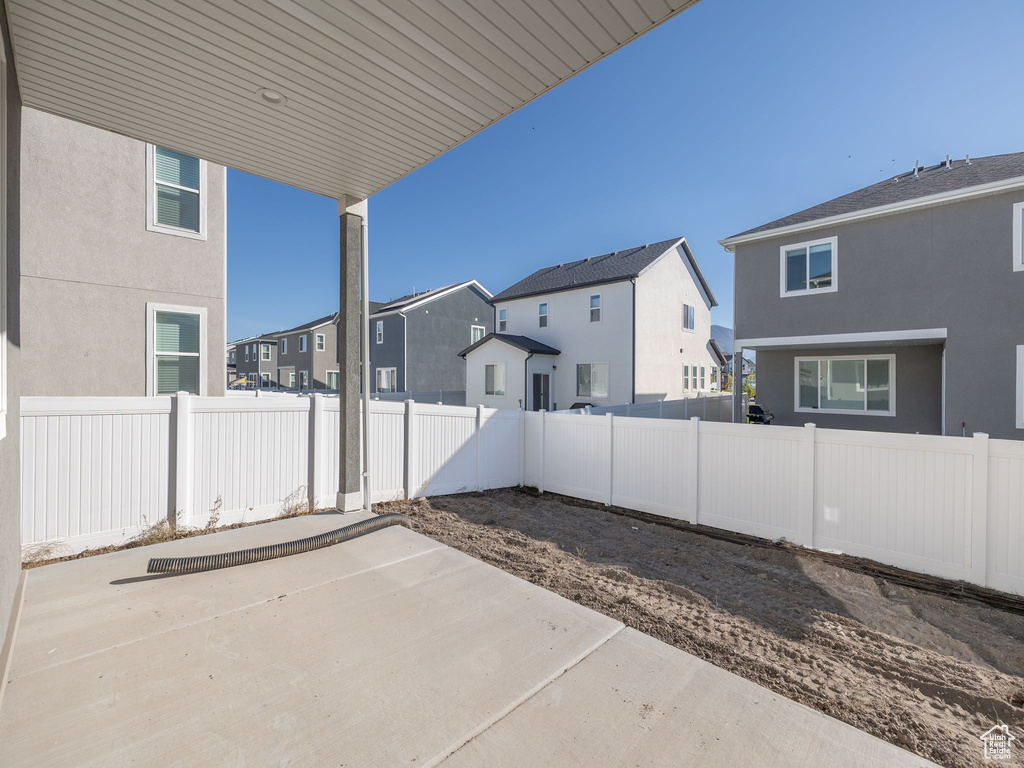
415	341
626	327
748	367
256	362
122	276
876	310
719	360
232	367
307	355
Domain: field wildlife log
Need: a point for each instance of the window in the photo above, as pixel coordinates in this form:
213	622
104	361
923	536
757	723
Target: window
304	379
502	320
247	353
321	342
380	331
702	378
302	343
855	385
686	377
176	337
387	380
1018	237
808	267
595	308
284	346
542	312
332	379
476	332
265	379
714	376
232	355
687	317
254	352
494	379
291	379
176	193
592	380
265	352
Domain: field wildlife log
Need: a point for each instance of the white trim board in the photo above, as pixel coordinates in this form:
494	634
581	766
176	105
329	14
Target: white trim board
427	299
940	198
835	339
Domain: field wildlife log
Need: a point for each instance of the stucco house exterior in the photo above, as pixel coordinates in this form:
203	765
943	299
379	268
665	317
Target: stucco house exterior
876	310
415	340
626	327
307	355
124	295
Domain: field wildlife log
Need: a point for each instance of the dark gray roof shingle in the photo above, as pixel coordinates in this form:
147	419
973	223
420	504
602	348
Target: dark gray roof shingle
523	342
310	324
610	267
390	306
933	180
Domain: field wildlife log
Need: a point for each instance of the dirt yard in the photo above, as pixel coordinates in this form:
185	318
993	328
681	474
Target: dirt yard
926	672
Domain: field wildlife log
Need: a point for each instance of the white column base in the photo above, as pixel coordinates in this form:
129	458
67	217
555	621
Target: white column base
349	502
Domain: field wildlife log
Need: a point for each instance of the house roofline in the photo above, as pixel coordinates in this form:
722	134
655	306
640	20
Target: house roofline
919	335
940	198
499	337
427	299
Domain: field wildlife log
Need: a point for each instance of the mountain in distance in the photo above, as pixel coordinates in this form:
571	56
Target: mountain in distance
723	336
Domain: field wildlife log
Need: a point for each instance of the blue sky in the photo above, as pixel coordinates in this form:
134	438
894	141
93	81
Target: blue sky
732	114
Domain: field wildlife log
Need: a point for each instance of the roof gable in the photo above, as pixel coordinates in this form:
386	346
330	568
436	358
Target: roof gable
524	343
424	297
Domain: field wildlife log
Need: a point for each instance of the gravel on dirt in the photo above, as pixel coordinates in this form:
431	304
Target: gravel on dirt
926	672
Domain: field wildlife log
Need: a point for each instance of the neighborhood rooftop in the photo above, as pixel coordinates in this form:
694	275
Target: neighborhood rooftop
407	301
939	179
311	324
524	343
607	268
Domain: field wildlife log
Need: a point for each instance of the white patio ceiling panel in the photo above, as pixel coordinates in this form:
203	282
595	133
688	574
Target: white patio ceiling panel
375	88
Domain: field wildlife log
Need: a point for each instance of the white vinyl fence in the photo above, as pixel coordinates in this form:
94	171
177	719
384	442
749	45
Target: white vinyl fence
97	470
705	407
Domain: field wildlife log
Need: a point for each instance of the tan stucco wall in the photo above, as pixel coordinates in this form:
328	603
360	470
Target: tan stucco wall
89	265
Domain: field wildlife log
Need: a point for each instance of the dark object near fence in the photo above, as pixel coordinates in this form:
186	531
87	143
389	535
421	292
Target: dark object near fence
758	415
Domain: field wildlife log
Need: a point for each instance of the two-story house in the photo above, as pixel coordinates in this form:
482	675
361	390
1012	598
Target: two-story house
307	355
898	307
415	340
255	362
626	327
124	295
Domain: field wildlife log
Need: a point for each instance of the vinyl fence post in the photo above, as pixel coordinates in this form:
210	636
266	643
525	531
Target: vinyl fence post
522	447
661	408
540	452
479	438
182	511
805	509
315	453
410	453
611	457
980	512
693	470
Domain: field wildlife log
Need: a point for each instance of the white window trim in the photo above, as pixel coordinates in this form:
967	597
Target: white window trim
496	366
151	222
599	308
284	346
472	333
686	315
151	310
834	241
543	314
327	378
264	379
264	353
303	379
3	244
576	388
505	329
845	412
1018	237
1020	386
380	331
394	380
320	342
302	343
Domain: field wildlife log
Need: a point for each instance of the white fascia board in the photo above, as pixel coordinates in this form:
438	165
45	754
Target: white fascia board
940	198
836	339
432	297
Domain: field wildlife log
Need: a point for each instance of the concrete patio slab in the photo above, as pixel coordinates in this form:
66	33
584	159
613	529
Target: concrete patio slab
386	650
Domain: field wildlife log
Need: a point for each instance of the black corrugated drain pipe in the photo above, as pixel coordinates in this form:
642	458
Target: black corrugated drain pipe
271	551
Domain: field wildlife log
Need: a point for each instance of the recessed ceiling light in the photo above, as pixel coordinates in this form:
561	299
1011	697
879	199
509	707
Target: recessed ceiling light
270	96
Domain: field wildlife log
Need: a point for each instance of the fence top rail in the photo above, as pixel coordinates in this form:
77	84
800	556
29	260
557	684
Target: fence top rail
87	406
760	431
666	425
257	404
1006	449
933	443
574	418
444	410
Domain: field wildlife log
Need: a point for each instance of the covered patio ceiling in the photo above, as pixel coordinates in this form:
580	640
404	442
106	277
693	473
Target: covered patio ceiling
366	90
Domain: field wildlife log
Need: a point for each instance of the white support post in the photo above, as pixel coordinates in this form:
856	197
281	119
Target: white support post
522	447
479	438
979	512
316	427
540	453
410	452
805	510
611	457
693	470
182	511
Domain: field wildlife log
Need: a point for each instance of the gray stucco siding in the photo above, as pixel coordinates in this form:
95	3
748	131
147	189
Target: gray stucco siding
391	352
438	331
944	267
918	389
